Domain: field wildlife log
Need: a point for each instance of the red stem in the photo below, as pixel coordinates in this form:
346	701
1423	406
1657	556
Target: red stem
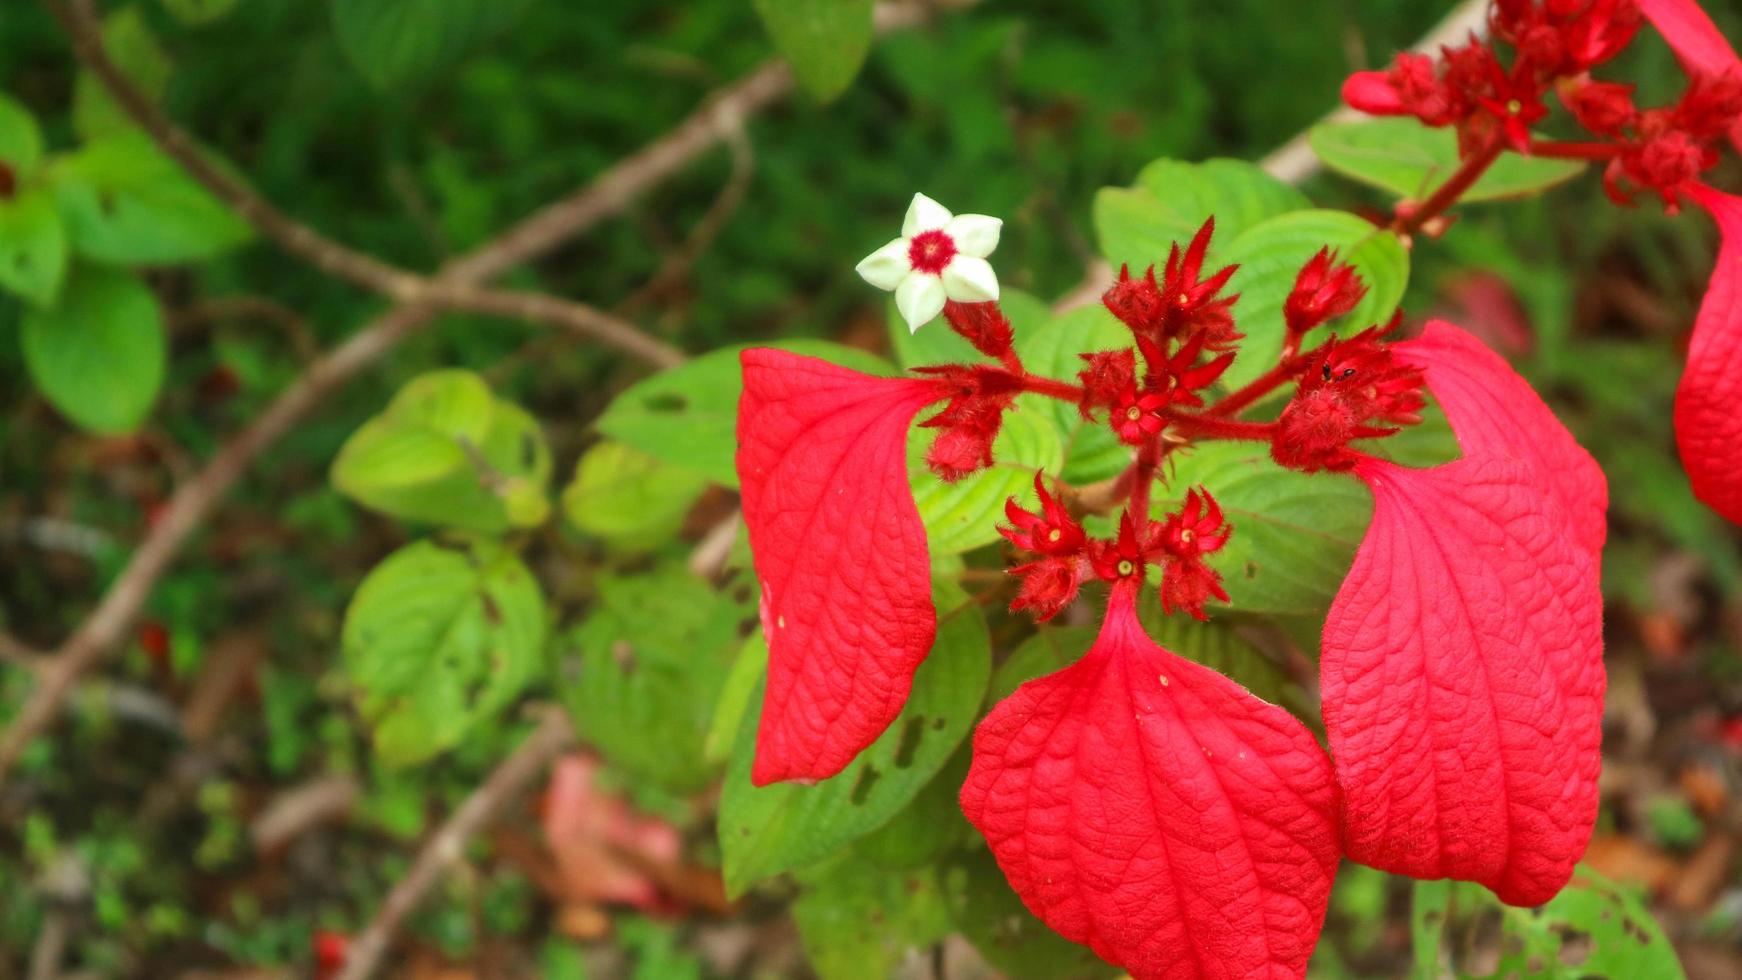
1142	478
1050	388
1209	426
1568	150
1461	180
1237	400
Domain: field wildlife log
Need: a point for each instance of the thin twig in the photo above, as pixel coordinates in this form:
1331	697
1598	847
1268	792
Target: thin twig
445	847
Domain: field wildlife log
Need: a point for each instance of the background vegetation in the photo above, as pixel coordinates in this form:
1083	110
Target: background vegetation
210	799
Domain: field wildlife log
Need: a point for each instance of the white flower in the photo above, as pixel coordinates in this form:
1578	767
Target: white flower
939	256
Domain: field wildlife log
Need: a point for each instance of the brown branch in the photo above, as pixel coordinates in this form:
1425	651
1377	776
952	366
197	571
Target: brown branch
589	322
448	843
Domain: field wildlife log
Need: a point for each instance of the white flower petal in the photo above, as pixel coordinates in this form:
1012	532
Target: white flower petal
970	280
920	298
886	267
974	234
924	214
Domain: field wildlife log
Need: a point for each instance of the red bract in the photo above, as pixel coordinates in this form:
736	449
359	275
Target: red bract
1708	426
1462	676
840	552
1696	41
1156	811
1495	412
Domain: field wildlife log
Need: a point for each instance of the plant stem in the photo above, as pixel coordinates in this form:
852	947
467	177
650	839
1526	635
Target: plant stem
1236	401
1049	387
1448	193
1211	427
1568	150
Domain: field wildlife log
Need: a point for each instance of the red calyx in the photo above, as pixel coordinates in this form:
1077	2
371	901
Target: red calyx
1109	374
1051	532
1604	108
978	396
982	324
1121	558
1324	290
1185	537
1191	303
1137	302
1348	386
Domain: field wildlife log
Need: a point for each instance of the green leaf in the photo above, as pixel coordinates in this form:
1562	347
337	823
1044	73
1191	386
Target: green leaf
647	669
1171	200
1053	648
825	41
1428	914
445	451
936	343
994	919
20	139
196	13
393	42
1270	255
687	416
770	829
735	697
437	640
1594	927
859	921
99	355
33	246
1295	534
1411	160
964	515
1091	451
126	203
927	829
132	47
628	497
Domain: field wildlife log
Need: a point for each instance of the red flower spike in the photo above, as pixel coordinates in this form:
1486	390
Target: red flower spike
982	324
1136	415
1185	537
1109	374
1695	40
1324	290
1158	812
1495	412
1462	672
840	551
1708	428
1051	532
1048	586
1137	302
1515	103
1350	385
1191	304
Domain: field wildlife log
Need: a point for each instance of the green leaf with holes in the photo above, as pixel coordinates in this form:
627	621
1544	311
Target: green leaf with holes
1270	255
825	41
446	451
127	204
437	640
1295	534
1091	451
33	246
992	917
1411	160
1136	225
767	830
135	51
98	355
395	42
1594	927
964	515
627	497
861	921
687	416
642	675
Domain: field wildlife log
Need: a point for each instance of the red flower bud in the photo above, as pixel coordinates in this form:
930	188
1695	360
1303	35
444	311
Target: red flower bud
960	451
1604	108
983	324
1109	373
1351	384
1048	586
1136	302
1324	290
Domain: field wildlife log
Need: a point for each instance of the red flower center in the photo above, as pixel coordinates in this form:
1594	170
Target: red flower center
931	251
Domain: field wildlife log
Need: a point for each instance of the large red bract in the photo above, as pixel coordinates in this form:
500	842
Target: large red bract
1708	424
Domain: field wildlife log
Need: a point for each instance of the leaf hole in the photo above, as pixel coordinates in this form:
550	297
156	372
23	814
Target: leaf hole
624	656
910	736
862	788
666	402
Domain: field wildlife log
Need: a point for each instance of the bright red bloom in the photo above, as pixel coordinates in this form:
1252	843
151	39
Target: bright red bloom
1137	302
1192	305
1494	412
1181	376
1121	558
1136	415
1156	811
1708	425
1462	674
1108	375
1324	290
1185	537
1351	385
822	459
1513	102
1048	586
1051	532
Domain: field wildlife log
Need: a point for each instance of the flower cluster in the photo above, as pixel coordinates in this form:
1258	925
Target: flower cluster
1493	92
1140	802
